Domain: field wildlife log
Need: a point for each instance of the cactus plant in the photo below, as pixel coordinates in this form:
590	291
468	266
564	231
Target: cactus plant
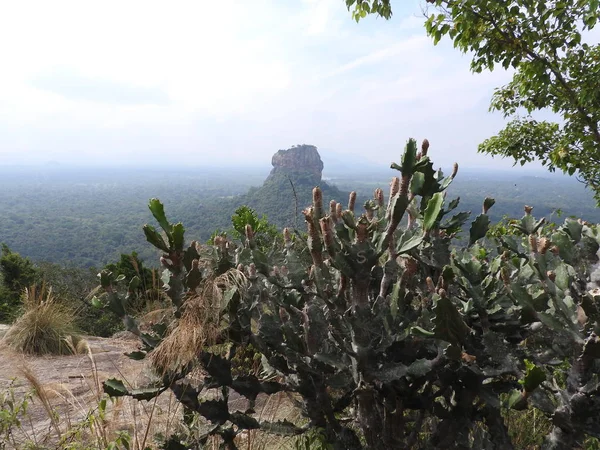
387	333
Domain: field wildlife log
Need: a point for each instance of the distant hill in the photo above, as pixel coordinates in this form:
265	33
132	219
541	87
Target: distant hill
288	188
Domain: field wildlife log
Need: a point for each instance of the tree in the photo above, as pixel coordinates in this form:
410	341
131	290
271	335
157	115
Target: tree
265	233
17	274
555	71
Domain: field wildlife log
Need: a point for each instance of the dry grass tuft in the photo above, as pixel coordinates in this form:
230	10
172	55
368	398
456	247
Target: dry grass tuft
199	325
45	328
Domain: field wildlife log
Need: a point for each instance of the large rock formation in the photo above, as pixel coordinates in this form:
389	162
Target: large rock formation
301	163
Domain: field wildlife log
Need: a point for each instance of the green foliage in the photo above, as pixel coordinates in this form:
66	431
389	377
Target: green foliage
264	233
555	70
13	411
16	273
366	315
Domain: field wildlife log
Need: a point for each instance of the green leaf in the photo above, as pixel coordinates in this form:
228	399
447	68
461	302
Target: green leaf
434	206
96	303
516	400
449	324
158	211
115	388
479	228
244	421
408	241
281	427
534	376
409	157
177	233
137	356
155	238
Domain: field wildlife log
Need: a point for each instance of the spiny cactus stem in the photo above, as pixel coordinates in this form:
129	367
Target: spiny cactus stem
392	248
341	293
317	198
338	211
333	211
394	188
352	201
314	238
327	231
360	291
404	185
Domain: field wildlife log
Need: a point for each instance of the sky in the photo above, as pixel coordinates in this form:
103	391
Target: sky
229	82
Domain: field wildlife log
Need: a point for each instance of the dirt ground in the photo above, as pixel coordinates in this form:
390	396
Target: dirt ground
72	386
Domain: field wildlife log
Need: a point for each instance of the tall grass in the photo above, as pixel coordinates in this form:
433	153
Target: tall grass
46	327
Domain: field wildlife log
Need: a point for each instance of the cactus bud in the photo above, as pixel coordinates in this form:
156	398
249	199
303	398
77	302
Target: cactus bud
528	209
333	211
240	267
419	156
275	271
249	232
284	271
430	285
551	275
533	246
394	186
543	245
338	210
362	231
379	197
454	170
317	196
488	202
287	237
424	147
328	235
352	201
252	270
555	250
442	293
505	276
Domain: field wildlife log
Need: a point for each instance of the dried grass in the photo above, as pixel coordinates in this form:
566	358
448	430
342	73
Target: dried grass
199	325
45	328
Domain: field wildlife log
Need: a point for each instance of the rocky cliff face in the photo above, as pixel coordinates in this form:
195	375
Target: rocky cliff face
300	161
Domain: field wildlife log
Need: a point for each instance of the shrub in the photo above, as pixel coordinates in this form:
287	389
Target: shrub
46	326
386	336
16	273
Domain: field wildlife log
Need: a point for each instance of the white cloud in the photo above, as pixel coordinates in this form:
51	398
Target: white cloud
226	79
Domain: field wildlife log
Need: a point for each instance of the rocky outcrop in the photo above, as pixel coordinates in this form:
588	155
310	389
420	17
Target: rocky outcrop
300	160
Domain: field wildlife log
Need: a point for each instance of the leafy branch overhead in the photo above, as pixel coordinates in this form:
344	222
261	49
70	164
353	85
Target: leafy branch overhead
556	65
